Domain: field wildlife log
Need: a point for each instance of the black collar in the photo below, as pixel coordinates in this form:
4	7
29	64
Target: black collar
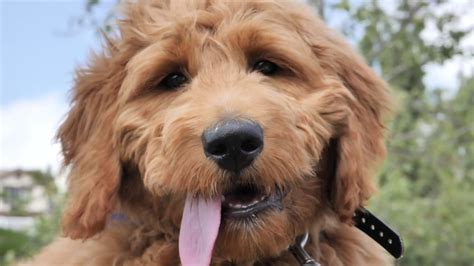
367	223
379	231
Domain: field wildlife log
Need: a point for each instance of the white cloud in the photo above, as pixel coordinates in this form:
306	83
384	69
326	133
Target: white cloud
27	130
446	75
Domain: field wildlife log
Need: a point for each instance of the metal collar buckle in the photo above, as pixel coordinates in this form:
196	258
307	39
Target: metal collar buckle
300	253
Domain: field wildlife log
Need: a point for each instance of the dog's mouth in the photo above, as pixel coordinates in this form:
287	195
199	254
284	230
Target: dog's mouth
202	217
248	200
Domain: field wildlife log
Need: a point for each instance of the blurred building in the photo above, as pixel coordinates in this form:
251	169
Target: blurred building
23	195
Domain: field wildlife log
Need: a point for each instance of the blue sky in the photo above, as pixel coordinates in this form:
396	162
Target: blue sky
40	46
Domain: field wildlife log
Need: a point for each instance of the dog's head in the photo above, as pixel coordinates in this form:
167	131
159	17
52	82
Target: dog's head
258	105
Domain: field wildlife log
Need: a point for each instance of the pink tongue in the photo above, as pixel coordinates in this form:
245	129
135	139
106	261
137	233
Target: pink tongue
199	228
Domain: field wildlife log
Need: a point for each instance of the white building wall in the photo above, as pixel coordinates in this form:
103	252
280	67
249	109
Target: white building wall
39	202
24	183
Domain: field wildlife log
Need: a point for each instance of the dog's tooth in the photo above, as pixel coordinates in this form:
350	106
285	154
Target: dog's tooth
231	205
262	198
238	205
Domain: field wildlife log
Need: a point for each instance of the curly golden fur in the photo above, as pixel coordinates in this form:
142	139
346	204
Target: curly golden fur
134	147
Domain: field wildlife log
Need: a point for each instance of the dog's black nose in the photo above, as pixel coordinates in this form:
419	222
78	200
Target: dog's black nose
233	144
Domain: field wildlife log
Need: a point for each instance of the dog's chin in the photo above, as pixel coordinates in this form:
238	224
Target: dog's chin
264	236
254	225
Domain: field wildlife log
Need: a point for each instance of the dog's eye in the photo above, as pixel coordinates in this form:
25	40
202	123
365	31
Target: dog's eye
174	80
265	67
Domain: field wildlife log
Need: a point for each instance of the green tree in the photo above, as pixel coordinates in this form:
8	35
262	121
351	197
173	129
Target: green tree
427	181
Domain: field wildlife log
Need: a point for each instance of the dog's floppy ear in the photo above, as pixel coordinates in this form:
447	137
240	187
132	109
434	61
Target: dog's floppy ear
360	145
86	138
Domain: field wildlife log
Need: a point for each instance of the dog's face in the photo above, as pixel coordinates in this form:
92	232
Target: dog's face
256	104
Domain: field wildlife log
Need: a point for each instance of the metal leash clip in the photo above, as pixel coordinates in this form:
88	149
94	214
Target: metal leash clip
300	253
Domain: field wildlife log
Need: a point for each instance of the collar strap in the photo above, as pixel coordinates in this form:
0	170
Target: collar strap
379	231
367	223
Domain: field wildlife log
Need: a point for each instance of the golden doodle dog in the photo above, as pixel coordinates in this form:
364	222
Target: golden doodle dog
217	132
